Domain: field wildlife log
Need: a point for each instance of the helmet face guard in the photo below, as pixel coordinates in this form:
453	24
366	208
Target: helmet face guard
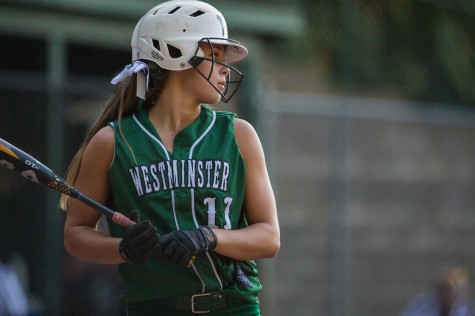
233	79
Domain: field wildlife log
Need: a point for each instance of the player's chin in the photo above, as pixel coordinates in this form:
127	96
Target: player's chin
212	99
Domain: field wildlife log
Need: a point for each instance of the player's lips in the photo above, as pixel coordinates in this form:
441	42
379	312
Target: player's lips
222	85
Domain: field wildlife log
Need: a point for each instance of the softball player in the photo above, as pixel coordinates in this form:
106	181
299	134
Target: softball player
193	179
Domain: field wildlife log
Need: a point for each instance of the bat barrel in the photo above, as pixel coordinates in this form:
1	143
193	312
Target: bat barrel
28	167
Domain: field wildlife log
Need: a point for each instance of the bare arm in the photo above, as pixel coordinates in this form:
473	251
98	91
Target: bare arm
81	238
261	239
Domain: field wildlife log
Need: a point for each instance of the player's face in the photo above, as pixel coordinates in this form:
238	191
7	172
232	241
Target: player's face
215	73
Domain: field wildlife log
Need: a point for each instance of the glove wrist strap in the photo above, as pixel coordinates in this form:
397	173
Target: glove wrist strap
210	236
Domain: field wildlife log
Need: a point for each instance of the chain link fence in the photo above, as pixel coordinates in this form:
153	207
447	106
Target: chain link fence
373	197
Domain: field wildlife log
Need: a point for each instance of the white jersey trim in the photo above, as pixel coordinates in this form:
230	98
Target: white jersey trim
190	156
203	288
168	158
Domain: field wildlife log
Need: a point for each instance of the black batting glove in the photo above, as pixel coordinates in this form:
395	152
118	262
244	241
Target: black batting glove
140	241
181	246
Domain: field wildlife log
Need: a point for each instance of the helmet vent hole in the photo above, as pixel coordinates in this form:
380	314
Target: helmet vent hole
155	12
197	14
174	52
156	44
174	10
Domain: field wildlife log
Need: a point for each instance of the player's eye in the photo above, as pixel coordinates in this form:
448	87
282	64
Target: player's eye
218	55
215	52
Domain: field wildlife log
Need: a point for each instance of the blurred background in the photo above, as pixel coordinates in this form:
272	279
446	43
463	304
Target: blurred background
366	110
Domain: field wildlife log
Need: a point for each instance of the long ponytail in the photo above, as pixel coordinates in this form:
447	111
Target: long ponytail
122	103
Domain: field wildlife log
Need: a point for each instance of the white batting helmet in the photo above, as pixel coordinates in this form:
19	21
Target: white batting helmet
169	34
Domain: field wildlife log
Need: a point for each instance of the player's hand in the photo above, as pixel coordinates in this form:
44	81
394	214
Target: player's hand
180	246
140	241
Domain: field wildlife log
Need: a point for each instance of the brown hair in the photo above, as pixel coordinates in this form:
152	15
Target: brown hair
122	103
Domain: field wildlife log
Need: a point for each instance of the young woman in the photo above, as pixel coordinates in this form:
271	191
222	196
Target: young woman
193	179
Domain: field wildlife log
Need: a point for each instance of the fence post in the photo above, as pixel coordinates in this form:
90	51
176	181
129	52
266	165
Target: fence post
56	68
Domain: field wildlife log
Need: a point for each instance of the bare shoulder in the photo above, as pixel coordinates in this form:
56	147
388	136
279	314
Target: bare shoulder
247	138
105	136
243	129
101	145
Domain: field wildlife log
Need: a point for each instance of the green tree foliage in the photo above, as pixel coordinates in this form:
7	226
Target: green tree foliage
419	49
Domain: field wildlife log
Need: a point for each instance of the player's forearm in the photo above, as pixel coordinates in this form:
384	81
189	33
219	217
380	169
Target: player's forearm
91	245
257	241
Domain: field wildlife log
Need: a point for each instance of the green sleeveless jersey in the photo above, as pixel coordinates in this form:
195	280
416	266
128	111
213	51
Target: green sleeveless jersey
201	183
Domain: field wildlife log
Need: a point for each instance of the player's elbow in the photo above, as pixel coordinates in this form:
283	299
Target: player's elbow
68	244
274	247
273	244
71	243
